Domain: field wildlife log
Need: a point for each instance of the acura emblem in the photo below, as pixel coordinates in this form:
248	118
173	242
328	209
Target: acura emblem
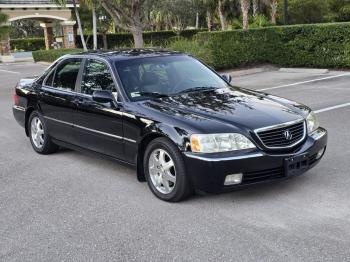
288	135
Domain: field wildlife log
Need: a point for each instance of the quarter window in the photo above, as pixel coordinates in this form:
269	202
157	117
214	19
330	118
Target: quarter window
96	77
66	74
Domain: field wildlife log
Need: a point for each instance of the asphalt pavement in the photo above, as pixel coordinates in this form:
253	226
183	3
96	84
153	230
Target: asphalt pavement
75	207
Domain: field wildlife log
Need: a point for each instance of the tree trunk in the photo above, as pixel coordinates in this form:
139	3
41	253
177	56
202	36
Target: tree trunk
255	8
274	5
221	15
79	25
138	37
245	5
94	25
209	20
105	42
197	20
127	21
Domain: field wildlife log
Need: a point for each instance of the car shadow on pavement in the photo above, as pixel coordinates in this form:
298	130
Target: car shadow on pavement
257	192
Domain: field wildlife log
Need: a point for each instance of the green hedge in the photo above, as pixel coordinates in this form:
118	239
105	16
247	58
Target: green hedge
53	54
28	44
160	38
321	45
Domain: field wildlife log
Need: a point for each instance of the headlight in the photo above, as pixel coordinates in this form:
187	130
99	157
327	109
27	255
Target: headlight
312	122
213	143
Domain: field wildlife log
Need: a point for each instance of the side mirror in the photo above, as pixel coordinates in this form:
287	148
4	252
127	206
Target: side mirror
227	77
102	96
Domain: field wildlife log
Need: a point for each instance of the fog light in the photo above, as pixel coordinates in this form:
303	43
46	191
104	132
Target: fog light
233	179
320	153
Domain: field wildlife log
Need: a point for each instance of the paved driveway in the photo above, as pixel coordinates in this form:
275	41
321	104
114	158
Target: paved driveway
74	207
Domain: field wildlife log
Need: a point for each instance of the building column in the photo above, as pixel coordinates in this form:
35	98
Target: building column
48	33
68	34
5	47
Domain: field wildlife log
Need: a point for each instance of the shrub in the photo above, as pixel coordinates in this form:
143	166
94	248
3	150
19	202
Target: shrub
322	45
28	44
236	24
53	54
260	21
193	47
306	11
159	38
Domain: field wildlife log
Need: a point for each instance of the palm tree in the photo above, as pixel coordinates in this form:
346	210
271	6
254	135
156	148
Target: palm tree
210	6
3	20
245	5
255	8
94	24
221	14
273	9
4	46
274	5
92	4
64	2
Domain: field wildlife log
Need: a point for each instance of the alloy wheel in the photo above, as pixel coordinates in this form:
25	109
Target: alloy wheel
37	132
162	171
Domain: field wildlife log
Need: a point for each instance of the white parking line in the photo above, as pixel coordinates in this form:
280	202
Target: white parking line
304	82
332	108
12	72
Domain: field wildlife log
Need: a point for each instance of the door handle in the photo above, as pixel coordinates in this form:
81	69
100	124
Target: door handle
78	101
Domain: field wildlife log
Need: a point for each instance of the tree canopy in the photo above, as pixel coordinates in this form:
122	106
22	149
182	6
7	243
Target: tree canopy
137	16
3	27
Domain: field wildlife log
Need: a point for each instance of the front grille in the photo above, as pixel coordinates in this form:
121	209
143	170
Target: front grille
276	137
259	176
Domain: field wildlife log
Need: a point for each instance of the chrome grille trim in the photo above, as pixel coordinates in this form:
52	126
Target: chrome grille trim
279	126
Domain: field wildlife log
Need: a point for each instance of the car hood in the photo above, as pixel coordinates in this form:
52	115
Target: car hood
229	106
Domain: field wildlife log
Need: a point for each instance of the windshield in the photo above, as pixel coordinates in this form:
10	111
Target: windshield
156	77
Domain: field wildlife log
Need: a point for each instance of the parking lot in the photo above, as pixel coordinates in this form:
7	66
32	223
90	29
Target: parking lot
75	207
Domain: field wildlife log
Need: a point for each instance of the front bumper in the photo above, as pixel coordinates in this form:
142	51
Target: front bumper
208	171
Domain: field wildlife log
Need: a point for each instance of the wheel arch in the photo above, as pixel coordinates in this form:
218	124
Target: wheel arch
166	131
29	111
30	108
141	150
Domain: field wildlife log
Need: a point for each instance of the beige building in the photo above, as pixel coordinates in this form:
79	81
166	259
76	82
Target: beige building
44	11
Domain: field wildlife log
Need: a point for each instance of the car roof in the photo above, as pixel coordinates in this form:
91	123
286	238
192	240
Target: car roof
126	54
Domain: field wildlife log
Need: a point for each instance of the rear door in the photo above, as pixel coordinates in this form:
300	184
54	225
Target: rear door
57	96
98	126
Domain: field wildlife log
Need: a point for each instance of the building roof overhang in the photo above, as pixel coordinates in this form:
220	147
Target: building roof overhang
20	4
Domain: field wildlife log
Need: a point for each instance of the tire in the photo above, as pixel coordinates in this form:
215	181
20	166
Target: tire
39	135
167	182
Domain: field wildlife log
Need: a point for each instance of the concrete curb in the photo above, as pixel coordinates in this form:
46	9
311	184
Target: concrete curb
18	60
249	71
44	63
304	70
7	59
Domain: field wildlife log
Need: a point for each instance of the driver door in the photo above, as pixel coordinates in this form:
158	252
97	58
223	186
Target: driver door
99	126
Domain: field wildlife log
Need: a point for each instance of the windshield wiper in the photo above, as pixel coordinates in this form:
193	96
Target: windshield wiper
152	94
196	89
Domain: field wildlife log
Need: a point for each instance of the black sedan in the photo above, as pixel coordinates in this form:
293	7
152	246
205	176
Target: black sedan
183	126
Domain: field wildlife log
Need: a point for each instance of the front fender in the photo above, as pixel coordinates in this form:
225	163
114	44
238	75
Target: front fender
177	135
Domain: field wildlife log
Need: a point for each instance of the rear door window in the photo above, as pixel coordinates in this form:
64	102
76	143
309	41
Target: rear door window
67	74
